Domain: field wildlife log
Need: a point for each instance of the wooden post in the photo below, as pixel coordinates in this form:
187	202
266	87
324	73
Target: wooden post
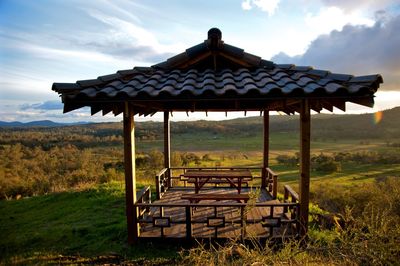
167	147
304	186
130	175
188	223
265	150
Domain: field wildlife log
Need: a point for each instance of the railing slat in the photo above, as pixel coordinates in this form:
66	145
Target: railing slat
188	222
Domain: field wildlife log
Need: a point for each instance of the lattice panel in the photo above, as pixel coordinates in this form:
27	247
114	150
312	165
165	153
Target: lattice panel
270	221
162	222
215	221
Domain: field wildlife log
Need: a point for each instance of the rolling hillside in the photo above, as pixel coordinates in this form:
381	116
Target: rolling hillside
324	126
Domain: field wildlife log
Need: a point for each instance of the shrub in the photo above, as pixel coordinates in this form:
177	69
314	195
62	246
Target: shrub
287	160
324	163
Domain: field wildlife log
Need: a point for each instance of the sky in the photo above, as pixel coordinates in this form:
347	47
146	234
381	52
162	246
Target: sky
46	41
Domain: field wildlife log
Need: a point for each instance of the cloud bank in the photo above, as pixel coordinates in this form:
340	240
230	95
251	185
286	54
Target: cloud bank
358	50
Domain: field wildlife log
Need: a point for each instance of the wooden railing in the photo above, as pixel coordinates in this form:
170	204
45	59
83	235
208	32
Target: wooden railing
271	182
274	219
144	196
290	196
162	182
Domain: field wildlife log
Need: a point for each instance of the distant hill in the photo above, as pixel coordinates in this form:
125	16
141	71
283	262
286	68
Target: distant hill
40	123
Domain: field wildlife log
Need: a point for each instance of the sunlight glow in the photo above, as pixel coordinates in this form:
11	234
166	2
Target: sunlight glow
378	117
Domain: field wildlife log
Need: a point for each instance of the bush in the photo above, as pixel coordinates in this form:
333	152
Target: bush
288	160
324	163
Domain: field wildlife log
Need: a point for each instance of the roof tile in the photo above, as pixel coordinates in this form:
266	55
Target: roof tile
369	78
107	78
302	68
318	72
89	82
127	72
339	77
285	66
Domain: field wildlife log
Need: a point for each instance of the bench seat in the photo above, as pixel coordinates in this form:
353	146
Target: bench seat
212	196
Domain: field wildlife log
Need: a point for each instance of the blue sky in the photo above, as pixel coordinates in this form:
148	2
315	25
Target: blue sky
46	41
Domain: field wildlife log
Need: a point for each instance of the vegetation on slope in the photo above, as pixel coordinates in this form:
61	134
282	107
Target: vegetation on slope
89	227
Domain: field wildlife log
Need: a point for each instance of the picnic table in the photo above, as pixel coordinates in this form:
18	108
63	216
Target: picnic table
234	177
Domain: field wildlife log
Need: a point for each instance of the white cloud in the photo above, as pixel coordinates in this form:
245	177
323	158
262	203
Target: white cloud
120	11
127	34
334	18
351	5
268	6
246	5
54	53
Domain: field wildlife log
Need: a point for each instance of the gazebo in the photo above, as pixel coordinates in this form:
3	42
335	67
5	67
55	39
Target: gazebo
216	77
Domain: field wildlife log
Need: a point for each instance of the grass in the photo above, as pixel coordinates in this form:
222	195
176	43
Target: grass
81	224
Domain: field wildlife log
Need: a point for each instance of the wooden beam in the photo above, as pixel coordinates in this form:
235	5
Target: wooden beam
130	174
304	186
95	109
366	101
265	149
167	145
118	109
107	109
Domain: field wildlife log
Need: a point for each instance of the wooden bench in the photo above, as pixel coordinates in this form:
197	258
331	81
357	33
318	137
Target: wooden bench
195	198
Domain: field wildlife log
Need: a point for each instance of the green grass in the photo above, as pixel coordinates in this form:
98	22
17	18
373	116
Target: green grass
85	224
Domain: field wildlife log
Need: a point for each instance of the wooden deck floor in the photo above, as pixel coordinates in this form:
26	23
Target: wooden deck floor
201	229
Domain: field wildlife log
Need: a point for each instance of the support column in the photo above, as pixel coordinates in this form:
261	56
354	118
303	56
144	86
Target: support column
265	149
130	174
304	186
167	146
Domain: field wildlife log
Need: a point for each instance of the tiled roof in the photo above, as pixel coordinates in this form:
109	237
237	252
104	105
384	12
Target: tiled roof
216	71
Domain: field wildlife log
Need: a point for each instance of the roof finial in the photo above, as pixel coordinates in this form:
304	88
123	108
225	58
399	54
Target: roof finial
214	33
214	37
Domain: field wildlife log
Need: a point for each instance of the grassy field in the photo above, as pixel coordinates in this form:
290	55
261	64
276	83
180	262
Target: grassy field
80	225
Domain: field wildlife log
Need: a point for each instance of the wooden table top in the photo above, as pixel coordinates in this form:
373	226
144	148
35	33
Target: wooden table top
218	173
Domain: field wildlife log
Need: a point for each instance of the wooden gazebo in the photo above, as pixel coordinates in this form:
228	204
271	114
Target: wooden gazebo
216	77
